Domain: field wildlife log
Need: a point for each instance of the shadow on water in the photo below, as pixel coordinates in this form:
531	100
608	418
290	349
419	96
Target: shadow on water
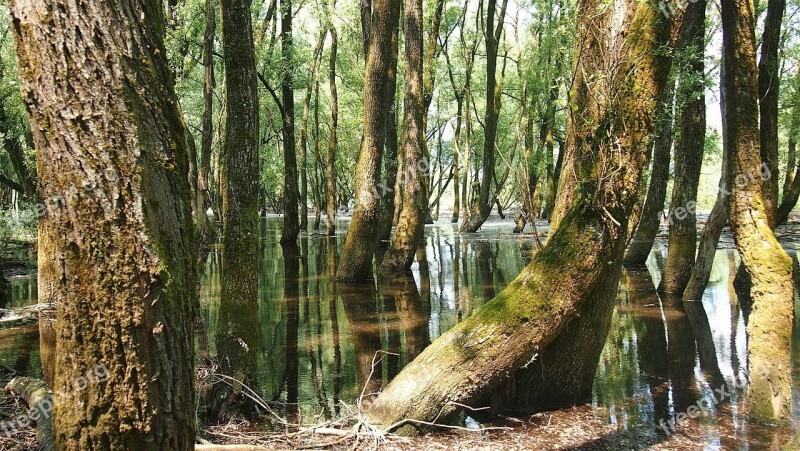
318	346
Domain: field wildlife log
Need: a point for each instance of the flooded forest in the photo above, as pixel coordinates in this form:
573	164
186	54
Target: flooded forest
249	225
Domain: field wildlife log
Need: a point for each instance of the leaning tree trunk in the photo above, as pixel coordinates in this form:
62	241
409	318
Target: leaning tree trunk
688	154
572	271
653	209
240	206
117	158
769	267
411	225
359	247
768	87
291	193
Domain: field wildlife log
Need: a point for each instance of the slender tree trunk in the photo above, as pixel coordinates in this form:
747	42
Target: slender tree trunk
791	188
291	194
546	300
141	322
318	183
653	209
688	154
333	139
26	179
359	247
411	226
240	208
207	138
313	72
768	87
768	265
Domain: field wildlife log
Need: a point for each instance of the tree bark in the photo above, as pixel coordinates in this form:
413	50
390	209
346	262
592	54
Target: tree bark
240	208
333	140
688	154
207	138
389	207
653	209
359	247
768	88
291	194
118	159
411	225
313	73
768	265
463	365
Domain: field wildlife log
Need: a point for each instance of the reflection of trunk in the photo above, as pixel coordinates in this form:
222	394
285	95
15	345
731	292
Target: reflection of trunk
768	265
291	295
357	254
650	217
571	275
125	269
238	315
337	348
411	225
362	314
704	339
411	313
688	154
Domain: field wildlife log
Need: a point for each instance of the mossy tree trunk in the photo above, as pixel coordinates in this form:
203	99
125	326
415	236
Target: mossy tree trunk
291	193
769	267
411	226
240	208
653	209
359	247
688	153
126	276
572	271
768	89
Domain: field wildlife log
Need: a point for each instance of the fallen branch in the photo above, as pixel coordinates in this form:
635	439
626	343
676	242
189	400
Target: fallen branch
39	398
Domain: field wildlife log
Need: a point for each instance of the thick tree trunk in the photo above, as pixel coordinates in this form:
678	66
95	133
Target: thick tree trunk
291	193
768	265
240	208
389	208
313	73
688	154
653	209
359	247
117	158
333	140
768	87
463	365
411	225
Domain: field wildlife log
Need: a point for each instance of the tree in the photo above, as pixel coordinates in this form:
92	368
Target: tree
313	73
123	228
389	208
769	267
411	226
589	230
207	137
359	247
240	206
333	139
291	194
688	152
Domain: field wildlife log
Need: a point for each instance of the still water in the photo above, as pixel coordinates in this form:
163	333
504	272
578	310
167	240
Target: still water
320	344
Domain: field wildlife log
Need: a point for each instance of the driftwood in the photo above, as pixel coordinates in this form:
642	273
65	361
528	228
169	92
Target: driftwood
39	399
22	316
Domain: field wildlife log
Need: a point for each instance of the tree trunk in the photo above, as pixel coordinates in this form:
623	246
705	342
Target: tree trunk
240	208
359	247
688	154
768	265
463	365
291	194
389	208
5	290
313	72
118	161
411	226
768	87
207	138
791	187
330	169
653	209
26	179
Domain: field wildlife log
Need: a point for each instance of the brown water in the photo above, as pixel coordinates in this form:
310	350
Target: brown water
316	340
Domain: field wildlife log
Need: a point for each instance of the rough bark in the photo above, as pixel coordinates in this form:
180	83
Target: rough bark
768	87
653	209
769	267
411	226
291	193
111	143
240	208
330	165
688	154
463	365
359	247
